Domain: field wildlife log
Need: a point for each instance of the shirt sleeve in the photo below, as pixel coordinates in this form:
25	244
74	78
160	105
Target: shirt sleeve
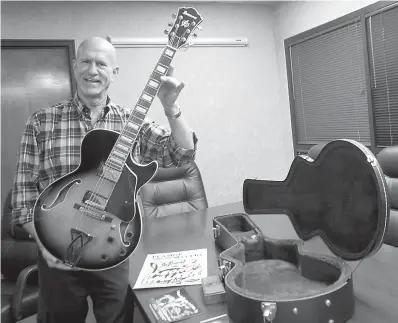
25	189
157	143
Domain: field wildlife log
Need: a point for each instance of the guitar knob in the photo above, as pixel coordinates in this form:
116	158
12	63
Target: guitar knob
129	234
104	256
111	239
123	251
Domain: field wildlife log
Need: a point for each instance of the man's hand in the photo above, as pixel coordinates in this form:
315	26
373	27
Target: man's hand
169	91
52	261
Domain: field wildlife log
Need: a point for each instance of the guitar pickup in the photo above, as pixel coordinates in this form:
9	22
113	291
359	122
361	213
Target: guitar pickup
94	200
99	215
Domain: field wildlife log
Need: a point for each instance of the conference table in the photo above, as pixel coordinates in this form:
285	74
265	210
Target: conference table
375	278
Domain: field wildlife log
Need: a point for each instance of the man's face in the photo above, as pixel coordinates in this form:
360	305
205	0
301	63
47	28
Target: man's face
94	71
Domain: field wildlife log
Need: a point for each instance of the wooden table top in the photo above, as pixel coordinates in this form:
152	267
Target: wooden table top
375	278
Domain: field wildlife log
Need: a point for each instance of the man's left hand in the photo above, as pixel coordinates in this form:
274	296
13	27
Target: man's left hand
169	91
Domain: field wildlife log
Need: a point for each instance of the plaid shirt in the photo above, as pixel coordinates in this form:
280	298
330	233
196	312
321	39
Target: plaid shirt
51	141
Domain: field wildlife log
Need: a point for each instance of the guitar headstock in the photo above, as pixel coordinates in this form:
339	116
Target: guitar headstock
186	21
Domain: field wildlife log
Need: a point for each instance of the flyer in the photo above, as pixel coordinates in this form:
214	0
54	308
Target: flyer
173	269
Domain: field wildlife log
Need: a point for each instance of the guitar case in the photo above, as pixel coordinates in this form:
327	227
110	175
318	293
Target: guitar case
340	196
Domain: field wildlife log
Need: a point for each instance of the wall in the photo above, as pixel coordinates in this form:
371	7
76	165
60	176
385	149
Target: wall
230	96
294	17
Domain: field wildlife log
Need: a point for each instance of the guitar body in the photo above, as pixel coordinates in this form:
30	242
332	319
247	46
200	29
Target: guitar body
340	196
63	211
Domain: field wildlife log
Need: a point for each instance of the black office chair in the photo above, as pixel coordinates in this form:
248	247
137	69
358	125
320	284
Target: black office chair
388	160
19	284
174	190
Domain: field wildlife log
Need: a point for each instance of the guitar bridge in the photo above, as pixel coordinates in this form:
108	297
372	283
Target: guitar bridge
74	251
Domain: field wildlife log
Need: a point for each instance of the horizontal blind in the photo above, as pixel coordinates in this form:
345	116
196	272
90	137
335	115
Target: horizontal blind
382	35
329	89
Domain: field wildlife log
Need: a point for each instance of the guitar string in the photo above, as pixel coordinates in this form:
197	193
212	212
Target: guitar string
102	179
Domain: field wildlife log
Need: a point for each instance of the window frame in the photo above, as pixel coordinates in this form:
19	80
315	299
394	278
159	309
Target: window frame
358	15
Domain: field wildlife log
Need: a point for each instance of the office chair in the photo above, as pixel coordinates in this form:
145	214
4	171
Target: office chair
19	284
388	160
173	190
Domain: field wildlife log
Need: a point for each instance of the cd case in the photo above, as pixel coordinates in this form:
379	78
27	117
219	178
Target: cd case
174	306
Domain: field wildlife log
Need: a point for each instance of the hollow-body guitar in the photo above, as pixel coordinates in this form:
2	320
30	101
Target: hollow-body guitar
90	219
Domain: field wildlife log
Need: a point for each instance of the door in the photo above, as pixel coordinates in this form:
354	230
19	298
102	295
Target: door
34	74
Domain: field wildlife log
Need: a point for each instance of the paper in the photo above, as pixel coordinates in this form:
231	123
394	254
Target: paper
173	269
174	306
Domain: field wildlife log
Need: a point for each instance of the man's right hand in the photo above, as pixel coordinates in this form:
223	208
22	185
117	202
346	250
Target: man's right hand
52	261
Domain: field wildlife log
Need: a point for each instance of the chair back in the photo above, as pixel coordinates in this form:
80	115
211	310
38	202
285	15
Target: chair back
173	190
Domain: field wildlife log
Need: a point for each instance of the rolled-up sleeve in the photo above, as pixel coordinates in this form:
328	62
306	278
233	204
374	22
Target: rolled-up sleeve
25	188
157	143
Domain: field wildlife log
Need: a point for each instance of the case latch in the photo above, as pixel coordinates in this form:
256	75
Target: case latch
225	267
269	311
216	231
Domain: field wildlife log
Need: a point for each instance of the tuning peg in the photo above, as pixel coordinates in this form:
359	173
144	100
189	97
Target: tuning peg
170	24
199	27
174	15
166	31
194	35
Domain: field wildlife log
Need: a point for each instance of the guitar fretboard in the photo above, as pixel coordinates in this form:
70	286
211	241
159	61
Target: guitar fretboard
125	142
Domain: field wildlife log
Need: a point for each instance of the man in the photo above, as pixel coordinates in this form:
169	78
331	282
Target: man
50	148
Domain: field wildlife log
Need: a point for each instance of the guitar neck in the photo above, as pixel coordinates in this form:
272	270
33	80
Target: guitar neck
129	134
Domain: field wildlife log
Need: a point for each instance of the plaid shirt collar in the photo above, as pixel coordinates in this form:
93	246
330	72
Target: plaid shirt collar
85	111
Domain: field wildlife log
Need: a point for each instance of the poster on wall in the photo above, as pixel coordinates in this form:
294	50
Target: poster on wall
173	269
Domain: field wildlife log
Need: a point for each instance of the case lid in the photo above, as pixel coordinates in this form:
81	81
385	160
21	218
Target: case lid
341	196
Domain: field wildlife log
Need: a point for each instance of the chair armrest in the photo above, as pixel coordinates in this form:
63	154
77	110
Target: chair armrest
19	291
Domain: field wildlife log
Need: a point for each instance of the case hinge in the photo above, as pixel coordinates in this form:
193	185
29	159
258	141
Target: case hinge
269	311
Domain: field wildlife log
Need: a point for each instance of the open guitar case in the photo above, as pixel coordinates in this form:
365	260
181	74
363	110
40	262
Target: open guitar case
340	196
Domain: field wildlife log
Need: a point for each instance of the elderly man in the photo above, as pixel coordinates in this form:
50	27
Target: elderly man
50	148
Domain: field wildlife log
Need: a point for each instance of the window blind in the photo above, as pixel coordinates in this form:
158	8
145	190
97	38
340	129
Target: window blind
329	88
382	35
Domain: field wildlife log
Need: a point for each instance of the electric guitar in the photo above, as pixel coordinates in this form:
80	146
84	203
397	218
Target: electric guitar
90	218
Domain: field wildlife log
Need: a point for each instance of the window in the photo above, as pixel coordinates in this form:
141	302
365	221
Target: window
382	32
343	80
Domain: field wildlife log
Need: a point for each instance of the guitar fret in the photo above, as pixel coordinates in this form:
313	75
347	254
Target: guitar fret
114	165
118	154
122	147
150	91
147	97
115	160
144	103
122	153
125	140
133	125
165	60
161	69
139	115
156	76
153	84
169	52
